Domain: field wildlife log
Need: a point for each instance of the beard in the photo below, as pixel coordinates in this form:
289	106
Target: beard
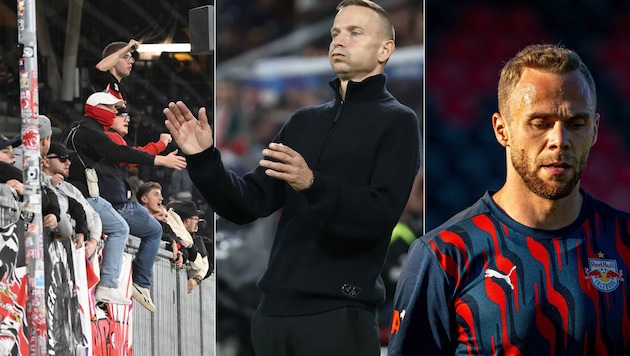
554	188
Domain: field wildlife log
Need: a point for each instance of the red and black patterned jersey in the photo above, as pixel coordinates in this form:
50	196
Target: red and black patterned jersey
107	82
115	89
483	284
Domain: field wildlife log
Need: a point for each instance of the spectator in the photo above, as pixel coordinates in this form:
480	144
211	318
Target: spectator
56	166
150	196
64	227
119	130
113	225
168	235
6	148
46	130
69	208
183	217
69	211
92	146
45	134
116	65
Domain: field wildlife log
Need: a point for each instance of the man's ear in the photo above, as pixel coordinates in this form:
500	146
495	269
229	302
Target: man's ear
500	127
143	199
595	129
387	48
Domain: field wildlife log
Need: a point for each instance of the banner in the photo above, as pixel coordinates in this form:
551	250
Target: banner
111	323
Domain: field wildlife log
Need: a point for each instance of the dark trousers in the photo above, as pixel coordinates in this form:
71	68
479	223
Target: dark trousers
348	331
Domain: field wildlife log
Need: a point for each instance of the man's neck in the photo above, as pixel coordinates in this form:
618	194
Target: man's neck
343	85
534	211
113	72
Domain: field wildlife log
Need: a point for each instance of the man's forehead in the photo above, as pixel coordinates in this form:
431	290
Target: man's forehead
535	85
354	15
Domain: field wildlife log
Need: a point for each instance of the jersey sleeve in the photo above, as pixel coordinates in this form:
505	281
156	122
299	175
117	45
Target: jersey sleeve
421	321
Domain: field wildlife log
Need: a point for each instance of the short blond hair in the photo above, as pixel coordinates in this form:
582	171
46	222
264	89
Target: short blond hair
545	57
146	187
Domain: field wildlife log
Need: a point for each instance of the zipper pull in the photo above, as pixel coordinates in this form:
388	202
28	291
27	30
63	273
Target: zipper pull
338	112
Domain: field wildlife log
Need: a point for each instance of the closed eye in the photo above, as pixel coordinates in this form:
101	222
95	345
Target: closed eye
541	124
578	122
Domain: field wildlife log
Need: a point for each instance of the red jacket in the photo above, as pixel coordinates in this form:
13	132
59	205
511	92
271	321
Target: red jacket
153	148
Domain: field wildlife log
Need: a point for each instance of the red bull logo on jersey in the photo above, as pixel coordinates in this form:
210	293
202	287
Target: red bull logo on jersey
603	274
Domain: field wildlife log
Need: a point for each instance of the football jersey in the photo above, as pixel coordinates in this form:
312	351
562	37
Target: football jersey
484	284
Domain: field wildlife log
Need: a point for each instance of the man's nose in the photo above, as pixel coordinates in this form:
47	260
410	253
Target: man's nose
559	136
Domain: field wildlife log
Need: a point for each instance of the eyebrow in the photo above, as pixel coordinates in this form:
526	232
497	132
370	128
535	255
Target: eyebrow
572	115
349	28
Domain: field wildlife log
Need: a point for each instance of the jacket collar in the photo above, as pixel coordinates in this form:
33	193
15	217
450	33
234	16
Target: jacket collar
366	91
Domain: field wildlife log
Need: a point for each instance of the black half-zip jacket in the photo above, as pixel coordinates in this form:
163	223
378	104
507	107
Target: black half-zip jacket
332	238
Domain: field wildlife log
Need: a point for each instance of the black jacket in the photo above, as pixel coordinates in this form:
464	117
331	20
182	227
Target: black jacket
92	146
76	211
332	238
169	236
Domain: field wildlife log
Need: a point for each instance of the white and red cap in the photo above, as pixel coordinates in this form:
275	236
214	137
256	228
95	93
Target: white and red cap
105	99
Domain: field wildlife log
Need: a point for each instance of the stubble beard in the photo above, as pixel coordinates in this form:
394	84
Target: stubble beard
557	187
64	173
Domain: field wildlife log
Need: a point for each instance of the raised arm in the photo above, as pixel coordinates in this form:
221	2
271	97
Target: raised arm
108	62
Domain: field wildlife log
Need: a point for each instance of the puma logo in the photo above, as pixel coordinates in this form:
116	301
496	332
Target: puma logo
489	273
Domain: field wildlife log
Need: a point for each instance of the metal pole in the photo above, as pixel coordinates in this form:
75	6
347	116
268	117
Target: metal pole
33	232
71	50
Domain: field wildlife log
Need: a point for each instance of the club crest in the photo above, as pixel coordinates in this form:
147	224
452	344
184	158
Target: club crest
603	274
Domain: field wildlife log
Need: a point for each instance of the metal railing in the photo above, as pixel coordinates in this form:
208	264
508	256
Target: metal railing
183	324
